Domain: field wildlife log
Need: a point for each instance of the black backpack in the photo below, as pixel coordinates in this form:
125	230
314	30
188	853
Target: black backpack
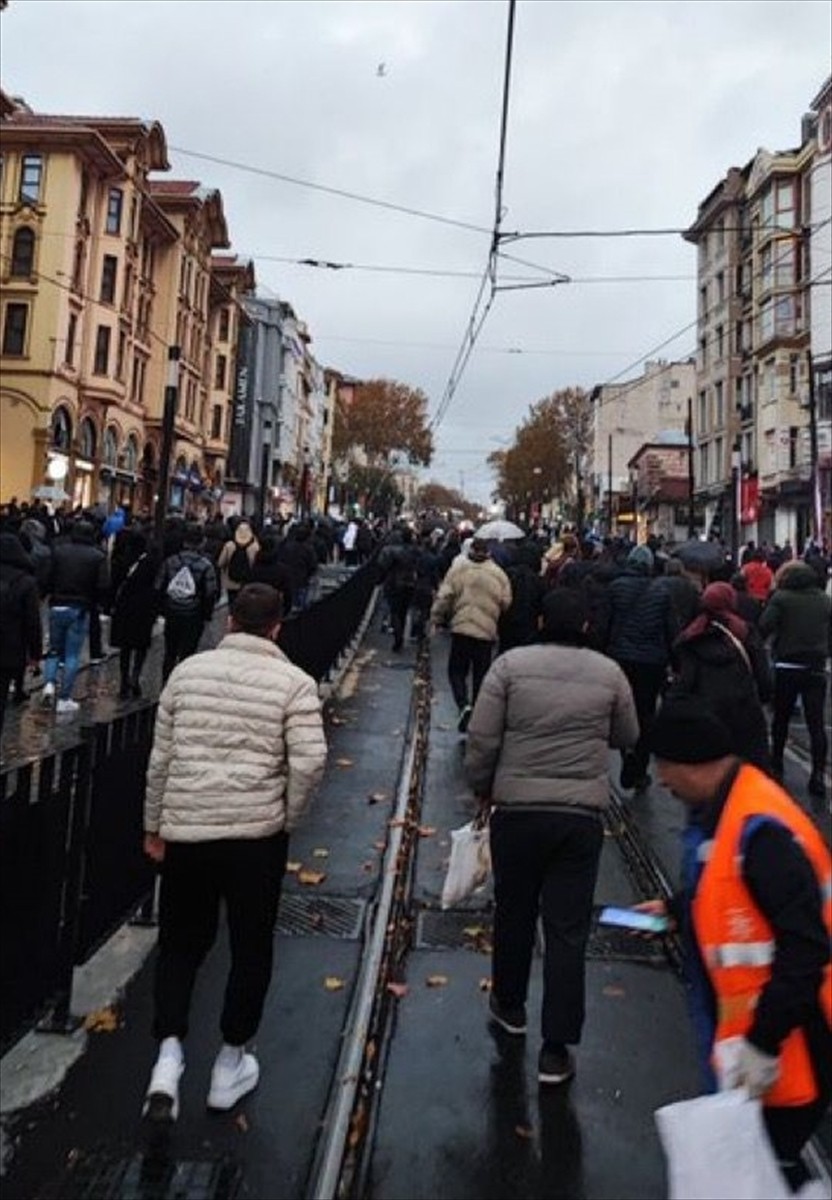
239	565
403	571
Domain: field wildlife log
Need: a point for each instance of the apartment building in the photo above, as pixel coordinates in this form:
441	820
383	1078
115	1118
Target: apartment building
622	415
761	257
79	243
819	220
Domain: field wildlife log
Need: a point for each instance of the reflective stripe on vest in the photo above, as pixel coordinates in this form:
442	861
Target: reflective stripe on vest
740	954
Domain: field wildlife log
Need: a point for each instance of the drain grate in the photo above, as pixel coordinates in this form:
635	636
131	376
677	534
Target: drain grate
474	931
328	916
102	1176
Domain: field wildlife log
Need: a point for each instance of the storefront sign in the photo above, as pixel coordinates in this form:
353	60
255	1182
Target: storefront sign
238	451
749	500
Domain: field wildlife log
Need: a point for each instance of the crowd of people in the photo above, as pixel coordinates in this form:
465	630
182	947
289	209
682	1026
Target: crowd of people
62	571
561	650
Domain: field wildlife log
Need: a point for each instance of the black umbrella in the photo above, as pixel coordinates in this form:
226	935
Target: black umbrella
700	556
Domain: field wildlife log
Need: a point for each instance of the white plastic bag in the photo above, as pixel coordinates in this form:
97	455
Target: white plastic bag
717	1148
470	862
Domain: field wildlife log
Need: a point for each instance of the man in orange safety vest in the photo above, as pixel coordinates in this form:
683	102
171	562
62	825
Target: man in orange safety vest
757	908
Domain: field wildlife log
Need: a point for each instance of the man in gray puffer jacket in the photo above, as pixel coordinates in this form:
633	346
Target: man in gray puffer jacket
538	749
238	750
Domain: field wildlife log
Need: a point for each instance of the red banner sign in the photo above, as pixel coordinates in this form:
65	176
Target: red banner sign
749	500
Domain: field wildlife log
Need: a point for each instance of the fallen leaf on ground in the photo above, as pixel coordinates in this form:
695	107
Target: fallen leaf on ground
427	830
102	1020
398	989
524	1131
344	762
292	868
320	852
333	984
485	985
368	866
241	1121
612	990
436	981
378	797
311	878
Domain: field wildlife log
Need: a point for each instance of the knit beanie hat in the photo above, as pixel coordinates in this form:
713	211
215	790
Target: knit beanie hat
641	556
686	731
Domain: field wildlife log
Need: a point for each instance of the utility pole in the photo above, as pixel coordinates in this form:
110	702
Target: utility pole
736	483
168	420
691	480
609	484
814	455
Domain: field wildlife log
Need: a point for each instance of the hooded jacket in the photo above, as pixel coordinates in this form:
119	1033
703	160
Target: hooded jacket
641	625
257	778
798	619
80	574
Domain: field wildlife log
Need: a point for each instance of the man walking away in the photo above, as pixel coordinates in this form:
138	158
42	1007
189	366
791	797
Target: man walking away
398	565
798	619
538	749
20	626
79	579
221	832
474	593
187	589
757	911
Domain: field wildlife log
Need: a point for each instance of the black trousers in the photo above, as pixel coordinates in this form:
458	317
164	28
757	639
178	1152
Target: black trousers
96	644
130	663
547	864
182	636
6	678
196	876
646	681
810	686
399	601
468	655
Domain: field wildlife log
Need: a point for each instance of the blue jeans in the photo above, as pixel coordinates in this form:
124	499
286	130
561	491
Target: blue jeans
68	626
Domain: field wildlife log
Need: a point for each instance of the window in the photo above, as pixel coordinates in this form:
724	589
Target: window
703	300
14	329
704	463
225	324
703	353
720	341
216	421
785	204
127	298
719	406
794	363
765	266
71	332
784	265
219	372
115	199
88	439
23	254
784	316
61	431
766	321
717	465
770	392
823	391
703	412
31	178
120	351
720	234
794	436
131	454
109	272
110	450
101	360
137	384
720	286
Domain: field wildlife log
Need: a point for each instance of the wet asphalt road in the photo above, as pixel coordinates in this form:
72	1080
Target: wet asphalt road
461	1114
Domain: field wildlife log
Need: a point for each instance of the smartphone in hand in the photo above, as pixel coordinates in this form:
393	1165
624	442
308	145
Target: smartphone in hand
628	918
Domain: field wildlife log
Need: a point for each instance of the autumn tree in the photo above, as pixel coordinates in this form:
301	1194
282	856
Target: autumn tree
382	421
435	495
546	456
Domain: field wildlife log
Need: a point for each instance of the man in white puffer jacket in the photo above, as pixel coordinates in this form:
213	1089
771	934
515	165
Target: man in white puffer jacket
238	749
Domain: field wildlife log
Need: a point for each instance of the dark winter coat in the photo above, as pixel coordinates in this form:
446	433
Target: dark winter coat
269	569
20	624
33	537
711	667
300	559
798	618
518	626
641	621
136	605
80	573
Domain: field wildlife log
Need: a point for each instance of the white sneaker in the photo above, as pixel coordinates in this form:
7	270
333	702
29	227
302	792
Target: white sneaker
47	695
234	1075
67	706
162	1099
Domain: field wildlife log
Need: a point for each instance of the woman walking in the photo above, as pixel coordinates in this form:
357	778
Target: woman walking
135	609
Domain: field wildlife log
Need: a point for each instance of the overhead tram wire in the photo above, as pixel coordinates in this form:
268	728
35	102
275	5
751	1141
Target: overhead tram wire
487	290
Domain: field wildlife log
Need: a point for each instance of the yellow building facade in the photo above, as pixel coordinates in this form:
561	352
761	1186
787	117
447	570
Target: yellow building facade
102	269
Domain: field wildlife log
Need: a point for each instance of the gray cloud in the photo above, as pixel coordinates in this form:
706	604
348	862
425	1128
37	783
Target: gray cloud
623	114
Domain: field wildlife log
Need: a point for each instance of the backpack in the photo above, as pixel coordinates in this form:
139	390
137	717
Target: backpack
403	572
181	592
239	566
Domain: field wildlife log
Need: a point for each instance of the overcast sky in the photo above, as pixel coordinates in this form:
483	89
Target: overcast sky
623	115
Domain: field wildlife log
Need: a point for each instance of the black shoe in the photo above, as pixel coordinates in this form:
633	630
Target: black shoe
464	718
817	785
512	1020
555	1065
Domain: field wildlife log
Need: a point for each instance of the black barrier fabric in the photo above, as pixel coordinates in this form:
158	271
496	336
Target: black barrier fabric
35	810
314	639
117	874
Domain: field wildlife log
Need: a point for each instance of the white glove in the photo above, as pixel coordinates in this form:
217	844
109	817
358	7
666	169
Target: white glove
756	1071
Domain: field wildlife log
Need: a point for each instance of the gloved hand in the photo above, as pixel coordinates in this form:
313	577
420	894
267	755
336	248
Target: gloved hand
756	1071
